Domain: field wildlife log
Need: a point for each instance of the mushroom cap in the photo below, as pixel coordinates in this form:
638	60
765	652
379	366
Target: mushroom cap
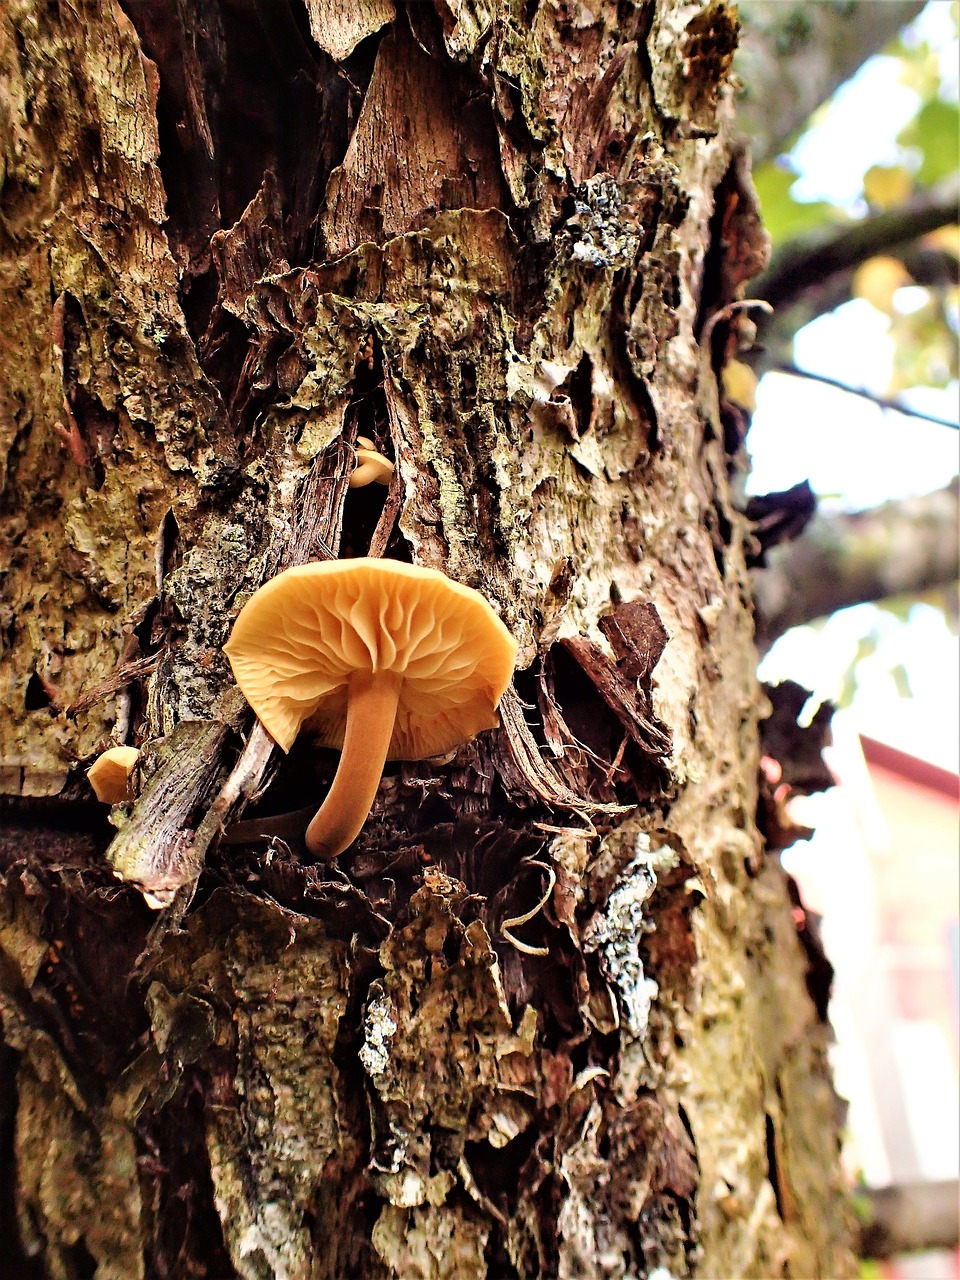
110	772
298	640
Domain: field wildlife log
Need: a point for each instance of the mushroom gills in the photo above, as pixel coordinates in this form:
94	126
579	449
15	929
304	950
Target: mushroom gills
342	646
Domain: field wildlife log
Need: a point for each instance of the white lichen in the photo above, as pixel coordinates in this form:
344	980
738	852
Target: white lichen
379	1026
606	236
616	935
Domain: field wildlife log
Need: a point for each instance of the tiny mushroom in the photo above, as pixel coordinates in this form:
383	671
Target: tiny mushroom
371	466
381	659
109	775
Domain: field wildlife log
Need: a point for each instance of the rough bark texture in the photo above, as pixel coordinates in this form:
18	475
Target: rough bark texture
503	241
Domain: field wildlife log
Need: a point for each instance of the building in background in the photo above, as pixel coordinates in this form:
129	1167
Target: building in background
883	870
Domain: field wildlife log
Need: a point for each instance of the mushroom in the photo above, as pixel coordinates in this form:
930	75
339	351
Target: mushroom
370	465
109	775
381	659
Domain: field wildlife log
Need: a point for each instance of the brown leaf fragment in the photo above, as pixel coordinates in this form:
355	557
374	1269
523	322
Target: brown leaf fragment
792	762
638	638
820	972
798	749
779	517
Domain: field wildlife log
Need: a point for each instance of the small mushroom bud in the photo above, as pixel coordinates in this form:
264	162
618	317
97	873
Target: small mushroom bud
371	466
109	775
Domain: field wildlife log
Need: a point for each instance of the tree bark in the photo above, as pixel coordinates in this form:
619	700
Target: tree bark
910	1217
548	1016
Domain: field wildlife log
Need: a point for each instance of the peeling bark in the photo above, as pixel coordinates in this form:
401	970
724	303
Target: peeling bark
503	244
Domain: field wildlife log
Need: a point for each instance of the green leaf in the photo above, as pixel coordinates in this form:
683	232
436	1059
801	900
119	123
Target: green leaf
783	216
935	131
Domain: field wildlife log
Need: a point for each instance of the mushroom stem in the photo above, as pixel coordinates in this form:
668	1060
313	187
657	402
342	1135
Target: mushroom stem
372	699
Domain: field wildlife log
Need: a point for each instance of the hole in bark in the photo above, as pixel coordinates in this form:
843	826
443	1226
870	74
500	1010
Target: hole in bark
497	1170
366	416
82	1264
361	515
237	96
451	948
19	1264
587	716
177	1172
36	697
170	544
468	384
578	387
223	350
497	1259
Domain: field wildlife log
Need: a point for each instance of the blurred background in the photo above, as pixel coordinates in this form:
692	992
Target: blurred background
848	400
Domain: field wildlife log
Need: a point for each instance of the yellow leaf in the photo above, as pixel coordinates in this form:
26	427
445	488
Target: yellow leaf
887	185
740	384
946	238
878	279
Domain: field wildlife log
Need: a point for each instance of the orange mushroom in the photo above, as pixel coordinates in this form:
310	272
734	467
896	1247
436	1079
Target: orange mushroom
109	775
381	659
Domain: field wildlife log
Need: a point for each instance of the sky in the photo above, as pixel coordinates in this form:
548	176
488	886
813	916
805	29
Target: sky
856	455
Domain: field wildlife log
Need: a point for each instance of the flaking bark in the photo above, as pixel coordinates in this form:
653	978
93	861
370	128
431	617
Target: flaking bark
487	237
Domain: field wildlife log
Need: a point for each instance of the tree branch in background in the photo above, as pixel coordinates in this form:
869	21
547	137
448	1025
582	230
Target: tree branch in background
812	275
899	548
882	402
812	260
793	56
908	1218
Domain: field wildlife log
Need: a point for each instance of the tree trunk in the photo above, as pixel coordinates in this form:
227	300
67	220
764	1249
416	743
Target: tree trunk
548	1016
